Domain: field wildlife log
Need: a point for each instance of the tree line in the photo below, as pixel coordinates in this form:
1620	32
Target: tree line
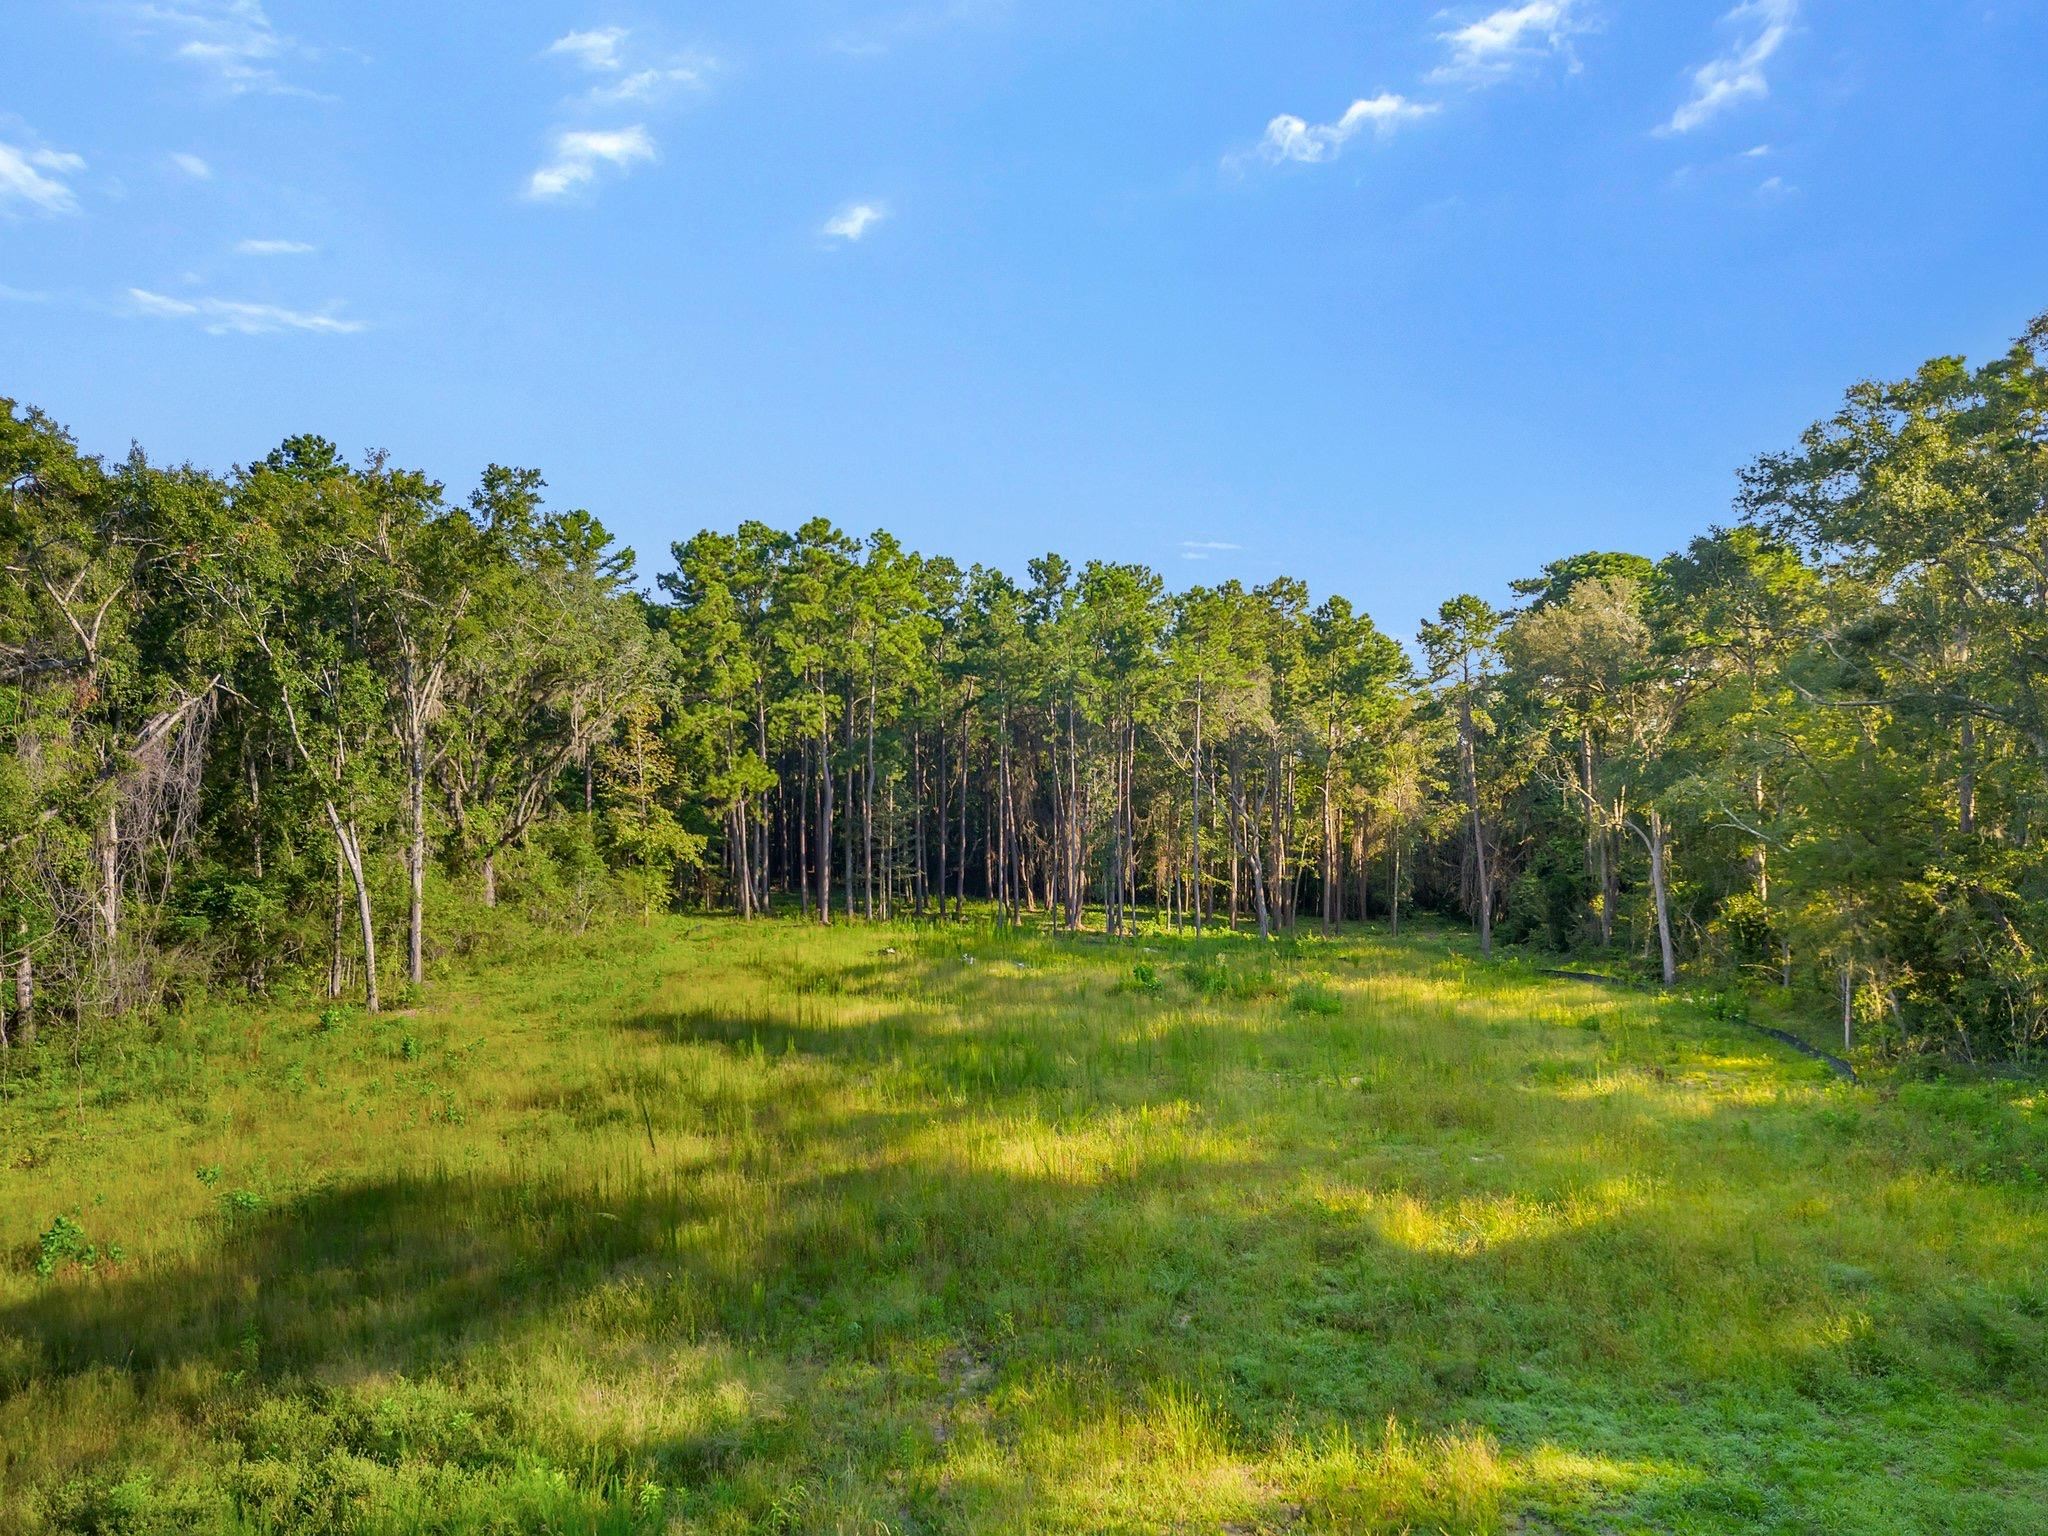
296	723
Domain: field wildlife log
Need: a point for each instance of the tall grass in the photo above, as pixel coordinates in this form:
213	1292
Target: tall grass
714	1227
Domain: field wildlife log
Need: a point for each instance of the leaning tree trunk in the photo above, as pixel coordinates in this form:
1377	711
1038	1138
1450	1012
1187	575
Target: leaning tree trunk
1654	841
350	843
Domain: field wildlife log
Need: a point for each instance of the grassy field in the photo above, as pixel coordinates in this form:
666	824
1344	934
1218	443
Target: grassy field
717	1228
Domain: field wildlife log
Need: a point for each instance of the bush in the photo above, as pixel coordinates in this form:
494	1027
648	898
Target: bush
66	1242
1144	978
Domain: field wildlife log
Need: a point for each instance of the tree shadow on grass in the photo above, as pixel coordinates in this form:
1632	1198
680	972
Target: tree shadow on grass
1165	1308
858	1281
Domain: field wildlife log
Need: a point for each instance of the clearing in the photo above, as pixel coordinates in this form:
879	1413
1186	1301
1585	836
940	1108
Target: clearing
715	1227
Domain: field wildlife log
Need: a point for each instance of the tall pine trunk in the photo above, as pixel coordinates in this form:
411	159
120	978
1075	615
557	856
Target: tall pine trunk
1469	761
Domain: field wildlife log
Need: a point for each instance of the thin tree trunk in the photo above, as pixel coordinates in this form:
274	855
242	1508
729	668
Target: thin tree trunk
416	861
824	750
1966	786
852	824
1330	891
1653	841
110	880
371	1002
1469	753
1257	856
1195	821
960	889
1596	839
337	921
24	991
867	813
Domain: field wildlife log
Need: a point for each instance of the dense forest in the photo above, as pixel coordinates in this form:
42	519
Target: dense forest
274	728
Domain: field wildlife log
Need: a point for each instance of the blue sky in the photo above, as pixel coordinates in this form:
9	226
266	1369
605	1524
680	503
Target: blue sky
1402	298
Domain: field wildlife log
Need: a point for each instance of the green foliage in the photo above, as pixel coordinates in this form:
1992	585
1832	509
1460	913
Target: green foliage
64	1242
1144	978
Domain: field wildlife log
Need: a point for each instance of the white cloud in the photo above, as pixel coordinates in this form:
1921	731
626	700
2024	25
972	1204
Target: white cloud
36	178
1757	153
1209	546
13	295
628	77
578	154
596	49
273	248
193	166
854	222
1490	48
651	85
222	317
231	40
1737	74
1289	138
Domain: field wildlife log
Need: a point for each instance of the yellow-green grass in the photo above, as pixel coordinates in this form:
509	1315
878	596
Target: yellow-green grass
721	1227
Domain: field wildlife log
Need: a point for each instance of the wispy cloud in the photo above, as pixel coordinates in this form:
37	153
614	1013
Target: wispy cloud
192	166
852	223
1493	47
639	78
1202	549
579	153
595	49
232	41
1737	75
647	86
12	295
1290	138
629	75
222	317
273	248
35	179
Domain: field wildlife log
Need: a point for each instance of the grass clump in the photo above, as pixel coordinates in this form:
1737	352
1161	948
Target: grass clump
1316	997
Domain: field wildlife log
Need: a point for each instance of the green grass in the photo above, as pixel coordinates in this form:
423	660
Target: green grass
716	1228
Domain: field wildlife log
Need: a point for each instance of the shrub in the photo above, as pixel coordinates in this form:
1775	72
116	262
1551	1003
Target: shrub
65	1241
